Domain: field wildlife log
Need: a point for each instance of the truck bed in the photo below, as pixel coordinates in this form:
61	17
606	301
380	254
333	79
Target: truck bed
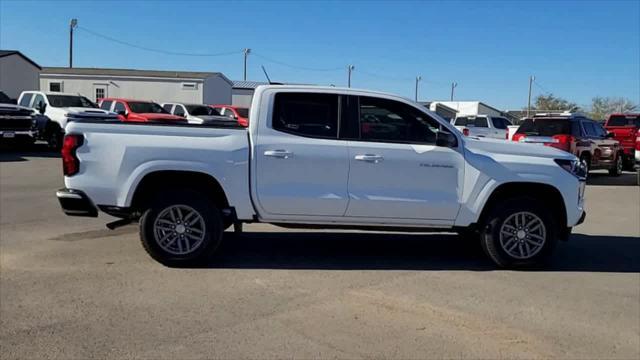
116	156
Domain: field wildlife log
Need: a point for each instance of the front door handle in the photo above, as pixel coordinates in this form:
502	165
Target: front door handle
282	154
369	158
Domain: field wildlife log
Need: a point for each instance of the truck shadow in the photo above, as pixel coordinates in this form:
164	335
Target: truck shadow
627	178
378	251
16	152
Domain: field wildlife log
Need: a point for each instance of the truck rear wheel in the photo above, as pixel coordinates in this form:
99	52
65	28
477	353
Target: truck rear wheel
181	228
519	233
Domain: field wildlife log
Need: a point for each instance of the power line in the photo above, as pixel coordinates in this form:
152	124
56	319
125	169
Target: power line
160	51
296	66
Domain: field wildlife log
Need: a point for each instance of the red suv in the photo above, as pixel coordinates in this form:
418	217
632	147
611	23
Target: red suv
624	128
576	134
238	113
138	110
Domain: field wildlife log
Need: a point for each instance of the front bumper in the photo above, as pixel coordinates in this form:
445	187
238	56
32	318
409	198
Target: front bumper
76	203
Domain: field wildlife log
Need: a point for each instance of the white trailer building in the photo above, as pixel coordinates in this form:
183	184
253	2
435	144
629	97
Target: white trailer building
17	73
470	107
159	86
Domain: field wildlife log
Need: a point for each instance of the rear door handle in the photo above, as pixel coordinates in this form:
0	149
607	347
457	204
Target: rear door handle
282	154
369	158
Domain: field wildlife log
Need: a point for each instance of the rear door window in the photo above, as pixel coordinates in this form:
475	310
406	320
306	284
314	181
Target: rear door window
499	123
306	114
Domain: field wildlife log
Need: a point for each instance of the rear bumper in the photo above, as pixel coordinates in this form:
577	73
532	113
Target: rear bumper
76	203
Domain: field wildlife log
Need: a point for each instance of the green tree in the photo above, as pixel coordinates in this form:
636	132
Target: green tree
551	102
601	107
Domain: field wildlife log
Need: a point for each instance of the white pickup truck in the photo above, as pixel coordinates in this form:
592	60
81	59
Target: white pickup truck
488	126
321	157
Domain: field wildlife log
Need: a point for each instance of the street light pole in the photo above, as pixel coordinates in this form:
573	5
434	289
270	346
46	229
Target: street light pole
418	79
350	69
73	24
246	52
531	80
453	86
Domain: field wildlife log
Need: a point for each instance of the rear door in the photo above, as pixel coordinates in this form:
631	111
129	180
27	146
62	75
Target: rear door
301	166
397	172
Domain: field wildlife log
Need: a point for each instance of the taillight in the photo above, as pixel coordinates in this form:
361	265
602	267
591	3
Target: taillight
70	162
465	132
564	142
518	137
638	141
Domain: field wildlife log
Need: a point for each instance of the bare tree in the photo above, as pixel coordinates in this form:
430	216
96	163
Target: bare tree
601	107
551	102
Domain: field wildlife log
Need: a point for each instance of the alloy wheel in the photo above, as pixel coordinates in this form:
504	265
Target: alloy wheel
179	229
522	235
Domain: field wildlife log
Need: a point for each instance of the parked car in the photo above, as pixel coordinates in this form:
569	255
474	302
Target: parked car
624	128
196	113
576	134
294	168
496	127
17	124
59	109
240	114
637	155
138	110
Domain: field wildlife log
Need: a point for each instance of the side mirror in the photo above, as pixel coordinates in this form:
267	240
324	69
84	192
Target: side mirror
122	113
446	139
42	107
610	135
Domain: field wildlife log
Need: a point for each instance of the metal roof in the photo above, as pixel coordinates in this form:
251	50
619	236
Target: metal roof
4	53
131	73
239	84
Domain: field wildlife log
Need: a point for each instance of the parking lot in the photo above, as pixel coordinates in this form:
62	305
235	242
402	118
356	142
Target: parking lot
70	288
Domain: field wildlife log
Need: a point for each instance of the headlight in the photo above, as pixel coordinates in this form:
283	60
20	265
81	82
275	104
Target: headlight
575	167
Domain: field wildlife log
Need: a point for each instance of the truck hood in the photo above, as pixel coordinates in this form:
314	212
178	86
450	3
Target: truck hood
491	146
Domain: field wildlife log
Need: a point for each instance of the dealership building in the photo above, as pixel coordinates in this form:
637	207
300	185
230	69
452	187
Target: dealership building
159	86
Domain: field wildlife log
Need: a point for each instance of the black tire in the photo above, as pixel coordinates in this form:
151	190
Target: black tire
616	170
496	217
212	229
54	137
638	177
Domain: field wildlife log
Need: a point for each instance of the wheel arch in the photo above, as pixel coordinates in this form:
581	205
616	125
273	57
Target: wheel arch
545	193
167	179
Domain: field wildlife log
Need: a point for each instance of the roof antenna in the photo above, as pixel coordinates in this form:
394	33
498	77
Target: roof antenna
265	74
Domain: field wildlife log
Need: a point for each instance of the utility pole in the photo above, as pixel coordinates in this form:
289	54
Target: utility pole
350	69
72	25
531	80
418	79
246	53
453	86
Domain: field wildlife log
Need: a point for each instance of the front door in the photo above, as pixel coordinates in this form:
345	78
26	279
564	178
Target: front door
301	166
396	170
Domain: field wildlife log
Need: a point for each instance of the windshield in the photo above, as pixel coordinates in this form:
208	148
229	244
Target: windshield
243	112
624	120
70	101
146	107
545	127
201	110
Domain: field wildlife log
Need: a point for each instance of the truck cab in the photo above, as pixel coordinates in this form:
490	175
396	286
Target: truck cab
624	128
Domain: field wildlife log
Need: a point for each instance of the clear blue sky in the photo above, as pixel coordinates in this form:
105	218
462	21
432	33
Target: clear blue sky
576	50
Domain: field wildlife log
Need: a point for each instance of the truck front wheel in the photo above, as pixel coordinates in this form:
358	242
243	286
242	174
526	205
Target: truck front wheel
519	233
181	228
